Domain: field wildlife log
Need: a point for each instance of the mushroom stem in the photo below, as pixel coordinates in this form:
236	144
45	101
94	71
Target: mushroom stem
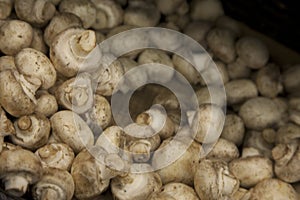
16	185
24	123
83	44
49	194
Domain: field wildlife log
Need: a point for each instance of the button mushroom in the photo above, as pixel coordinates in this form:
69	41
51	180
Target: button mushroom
224	150
213	180
77	44
5	8
18	169
12	97
54	184
136	186
56	155
32	131
46	103
15	35
69	128
35	12
208	10
251	168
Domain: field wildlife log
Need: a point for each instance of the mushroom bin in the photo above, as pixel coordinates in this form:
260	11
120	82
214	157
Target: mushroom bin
59	139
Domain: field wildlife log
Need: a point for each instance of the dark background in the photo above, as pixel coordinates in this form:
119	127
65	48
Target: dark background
278	19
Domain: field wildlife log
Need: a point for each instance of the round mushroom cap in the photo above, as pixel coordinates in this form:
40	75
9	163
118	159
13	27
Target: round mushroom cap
12	97
15	35
208	10
57	181
179	191
274	189
20	161
259	113
252	51
69	128
85	173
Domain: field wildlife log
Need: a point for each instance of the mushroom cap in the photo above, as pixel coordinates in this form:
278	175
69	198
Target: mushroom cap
40	66
274	189
55	179
224	150
208	10
20	161
179	191
69	128
32	131
87	176
136	186
56	155
252	51
290	79
234	129
15	35
259	113
12	97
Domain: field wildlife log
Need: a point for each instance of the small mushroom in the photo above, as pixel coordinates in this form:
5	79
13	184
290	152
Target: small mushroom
40	66
252	51
178	191
240	90
208	10
46	103
76	94
234	129
7	62
109	14
5	8
18	169
198	30
290	81
60	23
229	23
12	97
223	150
221	41
181	170
69	128
32	131
56	155
141	13
77	44
251	168
168	7
35	12
238	69
92	176
136	186
54	184
6	127
208	121
274	189
287	158
213	180
15	35
158	120
85	10
149	56
259	113
100	114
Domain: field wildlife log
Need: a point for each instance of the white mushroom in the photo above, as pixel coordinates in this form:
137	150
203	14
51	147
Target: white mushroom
36	12
141	13
109	14
213	180
223	150
56	155
54	184
46	103
18	169
15	35
252	51
206	10
5	8
60	23
290	79
69	128
77	43
136	186
251	168
234	129
32	131
85	10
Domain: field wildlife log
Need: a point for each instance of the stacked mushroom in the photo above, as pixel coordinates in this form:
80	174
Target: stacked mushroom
58	137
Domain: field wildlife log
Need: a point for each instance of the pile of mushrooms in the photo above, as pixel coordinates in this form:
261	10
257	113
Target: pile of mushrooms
50	117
